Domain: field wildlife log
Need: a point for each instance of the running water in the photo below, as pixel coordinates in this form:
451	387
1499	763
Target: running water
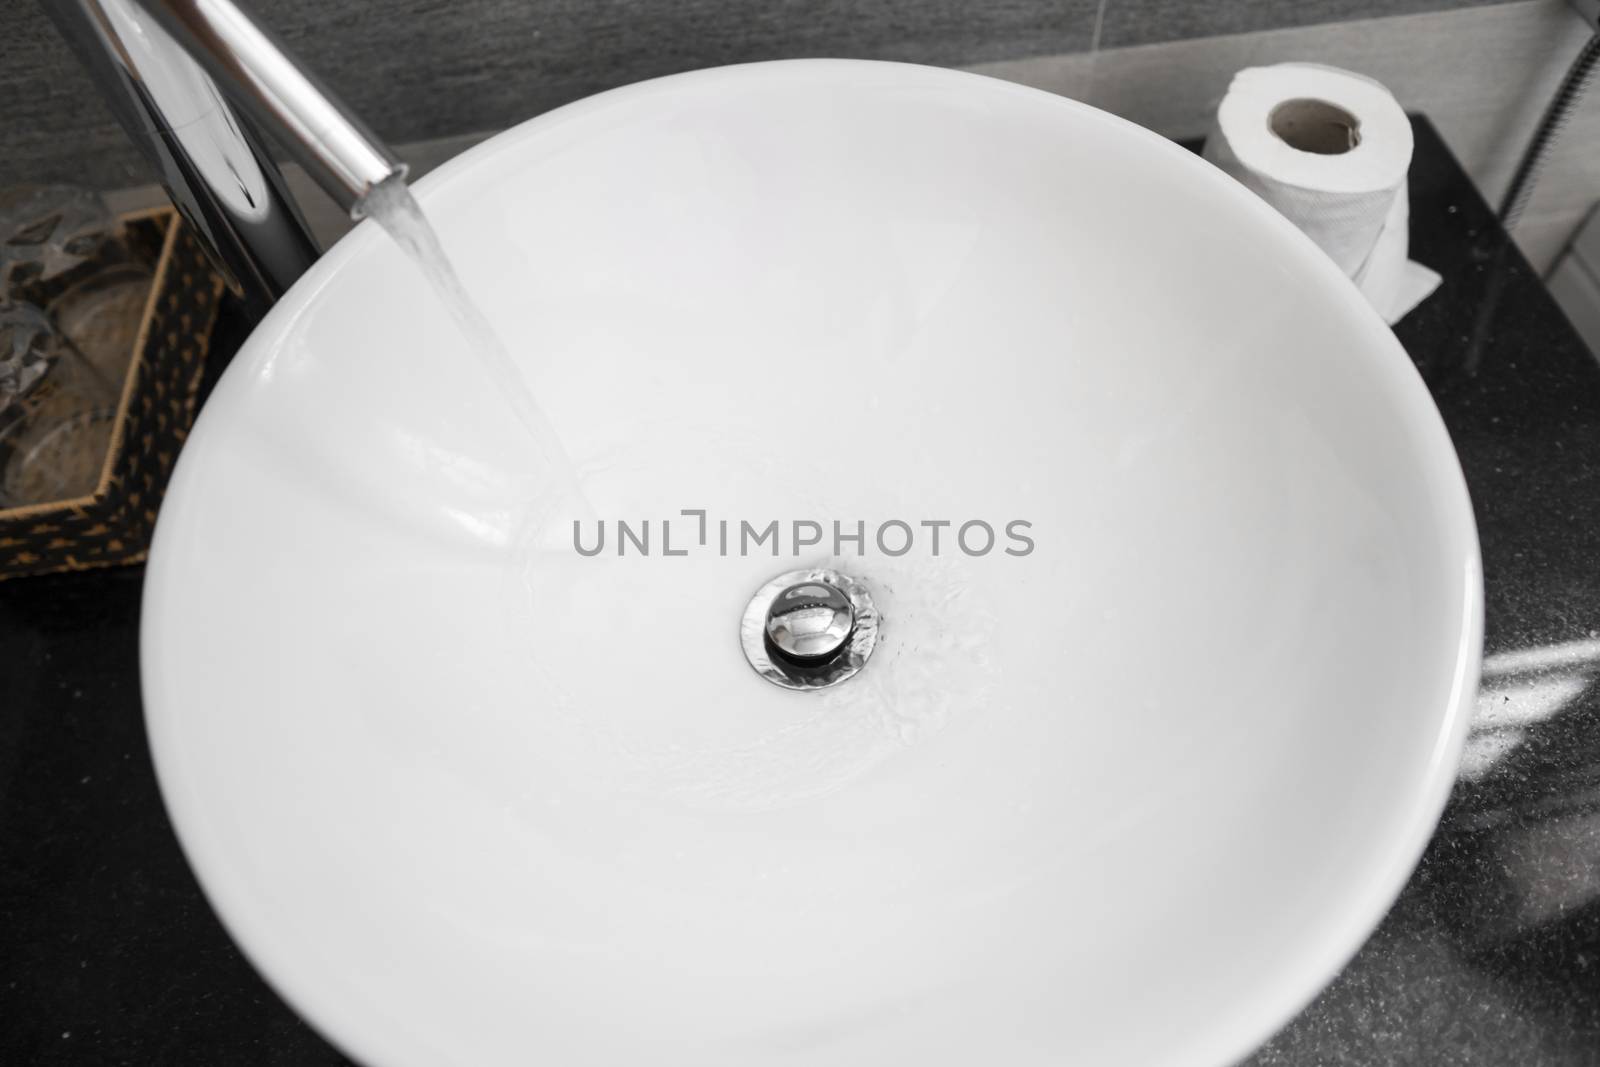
391	205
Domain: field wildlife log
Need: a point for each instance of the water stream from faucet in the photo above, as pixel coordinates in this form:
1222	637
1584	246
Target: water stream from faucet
391	205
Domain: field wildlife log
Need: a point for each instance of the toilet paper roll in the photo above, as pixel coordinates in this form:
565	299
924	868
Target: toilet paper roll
1330	150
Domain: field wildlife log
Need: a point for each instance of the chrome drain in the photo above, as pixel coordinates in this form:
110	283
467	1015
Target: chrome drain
809	629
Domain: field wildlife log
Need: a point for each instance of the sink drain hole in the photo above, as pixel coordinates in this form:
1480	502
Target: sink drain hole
809	629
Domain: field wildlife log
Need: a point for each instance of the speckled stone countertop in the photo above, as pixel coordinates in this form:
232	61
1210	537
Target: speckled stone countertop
110	955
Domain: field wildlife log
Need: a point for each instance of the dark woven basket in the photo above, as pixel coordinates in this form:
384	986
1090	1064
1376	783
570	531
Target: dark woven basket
153	417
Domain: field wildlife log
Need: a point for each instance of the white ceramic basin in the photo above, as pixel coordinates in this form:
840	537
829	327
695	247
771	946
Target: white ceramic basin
466	796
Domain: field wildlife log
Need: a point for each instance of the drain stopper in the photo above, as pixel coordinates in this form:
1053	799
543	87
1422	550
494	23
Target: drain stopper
809	629
810	622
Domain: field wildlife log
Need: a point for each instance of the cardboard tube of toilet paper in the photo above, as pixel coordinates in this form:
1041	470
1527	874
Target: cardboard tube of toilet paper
1329	150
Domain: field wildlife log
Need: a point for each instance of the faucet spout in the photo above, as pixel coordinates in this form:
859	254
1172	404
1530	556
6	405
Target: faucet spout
280	94
170	69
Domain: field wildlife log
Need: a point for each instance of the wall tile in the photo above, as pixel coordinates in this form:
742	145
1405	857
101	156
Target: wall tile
1131	22
440	68
418	69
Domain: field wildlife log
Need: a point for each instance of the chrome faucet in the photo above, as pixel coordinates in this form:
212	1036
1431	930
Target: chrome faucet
170	69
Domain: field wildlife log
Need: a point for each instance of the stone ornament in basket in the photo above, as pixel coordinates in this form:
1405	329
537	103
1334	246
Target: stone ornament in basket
103	339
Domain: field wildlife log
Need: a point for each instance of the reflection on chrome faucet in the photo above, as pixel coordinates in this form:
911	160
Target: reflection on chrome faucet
167	67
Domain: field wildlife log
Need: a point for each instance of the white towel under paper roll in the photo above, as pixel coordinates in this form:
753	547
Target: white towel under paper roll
1330	150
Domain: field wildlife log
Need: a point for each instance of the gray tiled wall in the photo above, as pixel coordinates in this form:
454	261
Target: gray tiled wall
421	69
1132	22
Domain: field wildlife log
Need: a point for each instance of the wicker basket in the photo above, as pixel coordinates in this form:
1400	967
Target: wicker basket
153	417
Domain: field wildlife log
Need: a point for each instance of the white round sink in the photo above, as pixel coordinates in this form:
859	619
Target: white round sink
1129	786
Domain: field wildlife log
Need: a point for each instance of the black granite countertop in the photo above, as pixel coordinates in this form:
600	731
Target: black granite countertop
110	955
